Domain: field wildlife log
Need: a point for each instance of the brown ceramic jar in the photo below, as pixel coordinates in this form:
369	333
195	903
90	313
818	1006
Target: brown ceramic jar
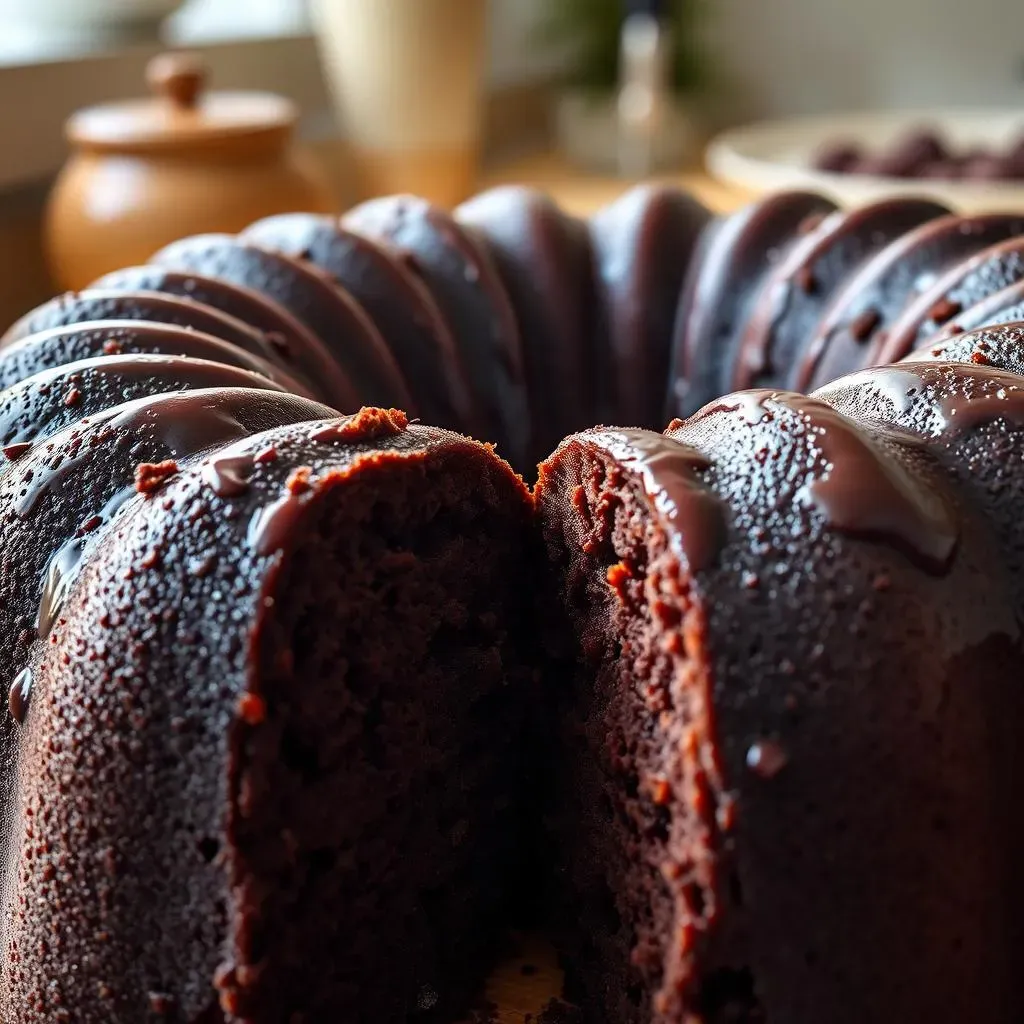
145	172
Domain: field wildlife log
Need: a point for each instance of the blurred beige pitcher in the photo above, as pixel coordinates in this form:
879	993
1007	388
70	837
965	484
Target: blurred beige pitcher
407	81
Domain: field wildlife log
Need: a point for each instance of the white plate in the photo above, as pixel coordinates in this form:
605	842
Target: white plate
773	155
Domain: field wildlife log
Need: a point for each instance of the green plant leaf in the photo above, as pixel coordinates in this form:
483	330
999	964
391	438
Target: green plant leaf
588	31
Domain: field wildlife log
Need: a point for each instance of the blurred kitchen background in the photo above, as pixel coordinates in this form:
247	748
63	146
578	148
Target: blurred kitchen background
442	97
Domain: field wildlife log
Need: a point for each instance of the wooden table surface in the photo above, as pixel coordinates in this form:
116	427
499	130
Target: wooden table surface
581	194
575	190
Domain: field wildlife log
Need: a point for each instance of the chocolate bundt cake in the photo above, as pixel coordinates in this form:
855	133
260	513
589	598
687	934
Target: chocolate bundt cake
298	685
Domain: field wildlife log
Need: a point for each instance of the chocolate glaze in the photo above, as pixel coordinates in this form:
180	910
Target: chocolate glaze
964	413
397	301
1001	346
272	525
360	357
228	475
189	423
887	284
972	419
1002	307
152	307
857	486
643	246
34	408
20	694
671	478
938	399
61	571
766	758
719	293
108	338
801	284
545	262
965	285
867	495
180	423
459	274
292	343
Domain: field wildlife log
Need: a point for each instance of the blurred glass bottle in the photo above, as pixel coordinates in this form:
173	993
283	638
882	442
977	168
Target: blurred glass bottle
644	93
635	74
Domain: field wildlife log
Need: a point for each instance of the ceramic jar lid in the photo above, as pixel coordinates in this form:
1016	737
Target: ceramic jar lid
182	115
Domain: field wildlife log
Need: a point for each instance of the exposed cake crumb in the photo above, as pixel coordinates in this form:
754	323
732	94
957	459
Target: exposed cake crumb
618	576
368	424
151	559
151	476
298	481
725	816
13	452
90	524
661	791
251	708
